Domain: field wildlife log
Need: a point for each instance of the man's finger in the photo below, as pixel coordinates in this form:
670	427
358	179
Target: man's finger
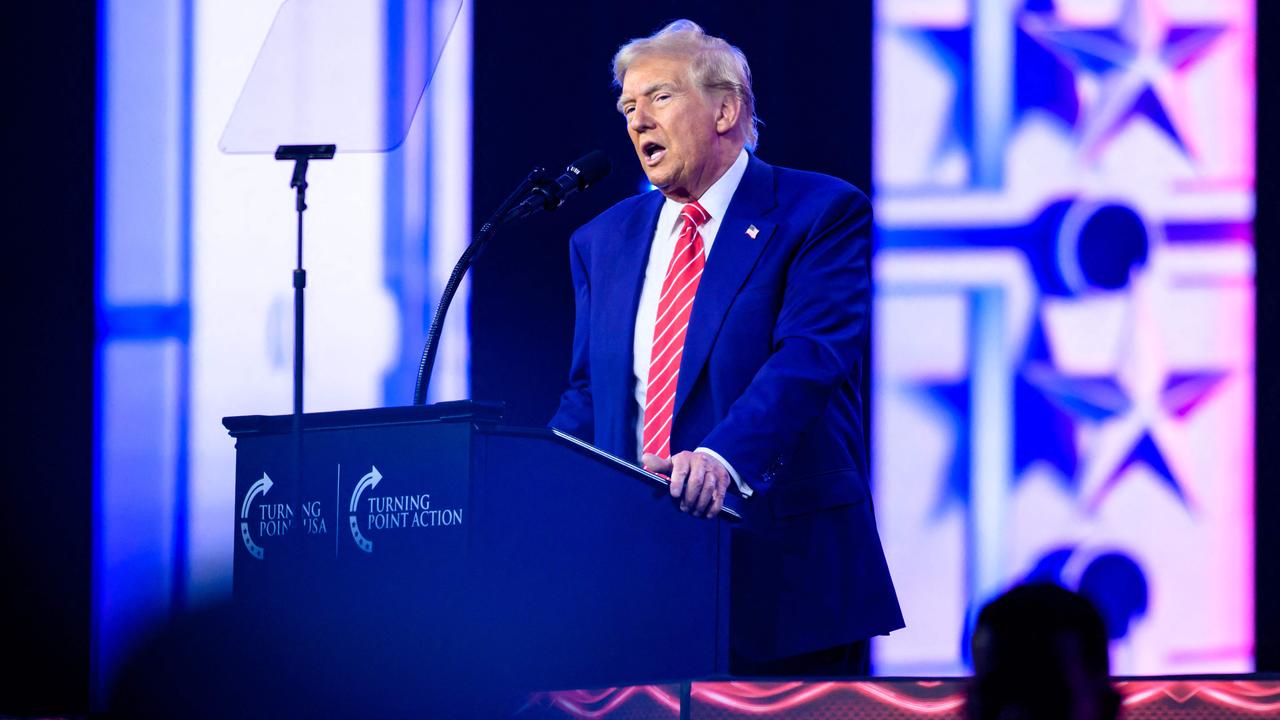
718	501
708	491
693	486
679	473
716	505
655	464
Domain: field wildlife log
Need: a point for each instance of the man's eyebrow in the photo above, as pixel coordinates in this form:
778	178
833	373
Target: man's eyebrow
651	89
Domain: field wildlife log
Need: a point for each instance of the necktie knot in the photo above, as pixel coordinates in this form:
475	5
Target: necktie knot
695	214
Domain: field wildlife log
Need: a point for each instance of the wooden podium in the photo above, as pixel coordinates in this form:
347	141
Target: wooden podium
431	540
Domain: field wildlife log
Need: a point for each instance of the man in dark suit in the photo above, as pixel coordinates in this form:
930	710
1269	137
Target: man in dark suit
720	339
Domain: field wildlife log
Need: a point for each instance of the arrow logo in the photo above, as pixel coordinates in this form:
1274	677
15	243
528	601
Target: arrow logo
260	487
370	480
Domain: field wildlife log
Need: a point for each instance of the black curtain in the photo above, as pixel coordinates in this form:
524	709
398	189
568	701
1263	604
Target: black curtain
45	497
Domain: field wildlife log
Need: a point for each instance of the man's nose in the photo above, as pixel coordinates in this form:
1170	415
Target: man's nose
640	119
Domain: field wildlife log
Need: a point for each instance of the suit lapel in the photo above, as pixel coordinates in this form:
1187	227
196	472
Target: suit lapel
627	257
732	256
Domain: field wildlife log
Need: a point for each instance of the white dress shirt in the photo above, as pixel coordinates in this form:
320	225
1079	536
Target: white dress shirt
716	202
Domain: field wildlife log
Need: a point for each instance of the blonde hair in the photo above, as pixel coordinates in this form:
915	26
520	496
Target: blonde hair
714	65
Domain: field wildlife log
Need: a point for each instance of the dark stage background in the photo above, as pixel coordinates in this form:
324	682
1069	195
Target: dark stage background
50	53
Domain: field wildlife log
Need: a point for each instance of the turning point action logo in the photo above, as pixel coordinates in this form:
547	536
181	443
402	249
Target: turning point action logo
391	512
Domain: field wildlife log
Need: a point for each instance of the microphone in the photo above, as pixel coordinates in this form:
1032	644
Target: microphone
579	175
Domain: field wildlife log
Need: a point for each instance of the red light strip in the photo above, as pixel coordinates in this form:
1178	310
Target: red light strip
578	703
766	698
1240	695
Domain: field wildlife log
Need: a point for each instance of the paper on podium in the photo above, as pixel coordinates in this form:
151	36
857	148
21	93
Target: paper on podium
340	72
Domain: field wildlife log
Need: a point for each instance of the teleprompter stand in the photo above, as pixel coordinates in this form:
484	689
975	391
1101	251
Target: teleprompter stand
301	155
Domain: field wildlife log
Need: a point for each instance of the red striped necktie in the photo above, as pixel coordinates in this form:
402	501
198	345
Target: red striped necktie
674	306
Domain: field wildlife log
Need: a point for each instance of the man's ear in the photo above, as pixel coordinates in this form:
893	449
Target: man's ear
728	112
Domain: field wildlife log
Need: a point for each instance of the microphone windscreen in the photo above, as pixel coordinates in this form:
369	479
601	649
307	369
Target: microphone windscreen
591	168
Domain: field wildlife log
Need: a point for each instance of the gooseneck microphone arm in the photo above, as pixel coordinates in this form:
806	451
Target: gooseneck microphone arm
536	193
464	263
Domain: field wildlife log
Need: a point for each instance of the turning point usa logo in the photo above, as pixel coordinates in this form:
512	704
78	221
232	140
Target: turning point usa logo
273	519
392	512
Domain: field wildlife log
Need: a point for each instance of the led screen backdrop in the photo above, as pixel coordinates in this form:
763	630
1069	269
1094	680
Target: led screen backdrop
1064	348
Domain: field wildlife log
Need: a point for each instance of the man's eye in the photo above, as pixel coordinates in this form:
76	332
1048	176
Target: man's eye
662	97
627	110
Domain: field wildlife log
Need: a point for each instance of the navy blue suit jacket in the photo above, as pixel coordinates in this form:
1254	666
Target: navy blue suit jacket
769	379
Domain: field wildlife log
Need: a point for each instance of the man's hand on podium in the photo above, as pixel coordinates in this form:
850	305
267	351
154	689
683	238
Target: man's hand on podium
698	480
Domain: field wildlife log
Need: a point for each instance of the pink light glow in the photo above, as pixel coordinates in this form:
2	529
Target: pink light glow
601	703
768	698
922	698
1241	695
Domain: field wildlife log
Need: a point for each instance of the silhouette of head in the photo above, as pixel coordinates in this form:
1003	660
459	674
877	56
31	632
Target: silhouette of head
1040	651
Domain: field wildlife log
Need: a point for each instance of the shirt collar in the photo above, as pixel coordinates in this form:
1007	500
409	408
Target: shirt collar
717	197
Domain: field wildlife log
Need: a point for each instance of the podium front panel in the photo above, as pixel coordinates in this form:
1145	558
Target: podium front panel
473	550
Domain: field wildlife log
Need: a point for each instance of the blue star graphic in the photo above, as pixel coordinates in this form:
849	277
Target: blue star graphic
952	47
1042	81
1049	407
953	399
1130	60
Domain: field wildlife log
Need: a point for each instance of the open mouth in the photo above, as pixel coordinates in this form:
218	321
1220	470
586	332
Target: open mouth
652	152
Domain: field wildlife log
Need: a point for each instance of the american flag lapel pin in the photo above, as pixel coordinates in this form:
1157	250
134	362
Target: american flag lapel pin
752	231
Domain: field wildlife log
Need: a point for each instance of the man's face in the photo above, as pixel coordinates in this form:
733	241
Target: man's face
672	125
